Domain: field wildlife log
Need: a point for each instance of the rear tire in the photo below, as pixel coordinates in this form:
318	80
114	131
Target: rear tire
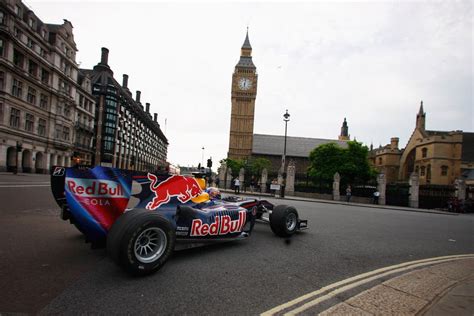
284	220
141	241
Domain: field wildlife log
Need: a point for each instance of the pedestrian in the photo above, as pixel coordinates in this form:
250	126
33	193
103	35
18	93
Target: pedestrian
237	186
348	193
376	197
216	181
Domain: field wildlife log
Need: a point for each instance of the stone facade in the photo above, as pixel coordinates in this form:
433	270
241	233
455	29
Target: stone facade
128	137
438	157
39	93
244	93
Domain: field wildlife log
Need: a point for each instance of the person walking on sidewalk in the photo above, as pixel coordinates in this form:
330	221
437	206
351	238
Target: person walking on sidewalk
348	193
237	186
376	197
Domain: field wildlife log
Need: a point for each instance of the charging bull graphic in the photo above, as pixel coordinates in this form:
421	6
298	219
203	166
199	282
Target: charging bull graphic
183	188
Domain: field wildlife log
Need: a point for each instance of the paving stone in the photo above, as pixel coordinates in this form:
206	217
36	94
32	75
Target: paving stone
344	309
422	283
384	300
459	301
457	270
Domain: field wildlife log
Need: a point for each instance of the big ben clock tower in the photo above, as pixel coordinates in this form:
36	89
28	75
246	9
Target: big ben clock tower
244	92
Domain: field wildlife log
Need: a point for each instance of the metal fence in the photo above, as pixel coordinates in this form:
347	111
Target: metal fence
304	183
397	194
435	196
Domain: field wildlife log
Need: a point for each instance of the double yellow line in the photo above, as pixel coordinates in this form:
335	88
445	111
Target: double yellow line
309	300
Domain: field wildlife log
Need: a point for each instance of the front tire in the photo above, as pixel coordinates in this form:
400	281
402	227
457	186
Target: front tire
141	241
284	220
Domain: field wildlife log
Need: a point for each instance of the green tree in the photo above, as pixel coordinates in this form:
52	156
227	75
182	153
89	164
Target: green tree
235	165
255	166
351	163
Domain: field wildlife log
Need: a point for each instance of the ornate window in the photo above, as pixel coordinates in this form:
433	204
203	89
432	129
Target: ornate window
444	170
66	133
15	118
18	58
30	122
43	101
17	88
32	68
41	127
31	96
57	132
44	76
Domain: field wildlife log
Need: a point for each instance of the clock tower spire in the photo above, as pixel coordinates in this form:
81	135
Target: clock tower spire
243	95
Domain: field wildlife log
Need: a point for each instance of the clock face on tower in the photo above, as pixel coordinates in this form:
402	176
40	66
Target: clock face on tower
245	84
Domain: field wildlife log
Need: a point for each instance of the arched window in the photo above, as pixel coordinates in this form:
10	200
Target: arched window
380	160
422	171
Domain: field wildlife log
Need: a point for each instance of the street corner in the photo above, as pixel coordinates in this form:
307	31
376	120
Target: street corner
410	288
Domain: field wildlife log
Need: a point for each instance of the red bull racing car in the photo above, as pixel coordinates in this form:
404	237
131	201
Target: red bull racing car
142	217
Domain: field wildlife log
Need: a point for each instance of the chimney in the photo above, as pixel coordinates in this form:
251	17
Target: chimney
394	143
104	59
125	81
148	107
155	117
138	96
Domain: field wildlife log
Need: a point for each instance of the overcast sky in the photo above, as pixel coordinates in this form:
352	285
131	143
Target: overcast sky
371	62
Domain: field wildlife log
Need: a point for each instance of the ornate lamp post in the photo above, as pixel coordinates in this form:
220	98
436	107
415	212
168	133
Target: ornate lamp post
286	119
202	159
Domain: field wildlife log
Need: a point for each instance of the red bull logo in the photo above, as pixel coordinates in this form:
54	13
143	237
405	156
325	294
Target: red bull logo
95	188
183	188
222	225
104	200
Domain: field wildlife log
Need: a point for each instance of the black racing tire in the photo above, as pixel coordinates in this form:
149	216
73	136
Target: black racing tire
284	220
141	241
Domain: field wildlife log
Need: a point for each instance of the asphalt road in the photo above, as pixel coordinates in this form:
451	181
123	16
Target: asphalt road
46	267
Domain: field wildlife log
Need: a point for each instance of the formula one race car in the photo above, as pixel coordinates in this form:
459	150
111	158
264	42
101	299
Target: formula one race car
172	212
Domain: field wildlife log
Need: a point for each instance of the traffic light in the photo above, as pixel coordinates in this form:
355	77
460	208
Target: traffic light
209	163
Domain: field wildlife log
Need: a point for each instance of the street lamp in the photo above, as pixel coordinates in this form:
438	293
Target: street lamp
286	118
202	159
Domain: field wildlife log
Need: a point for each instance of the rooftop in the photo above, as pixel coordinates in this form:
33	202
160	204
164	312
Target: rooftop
295	146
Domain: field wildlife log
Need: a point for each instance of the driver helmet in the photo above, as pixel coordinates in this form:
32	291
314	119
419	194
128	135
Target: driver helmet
214	193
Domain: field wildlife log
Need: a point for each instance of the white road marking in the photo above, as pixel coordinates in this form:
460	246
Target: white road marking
344	285
27	182
24	185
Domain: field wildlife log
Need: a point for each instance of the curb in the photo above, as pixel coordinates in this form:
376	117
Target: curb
433	286
416	293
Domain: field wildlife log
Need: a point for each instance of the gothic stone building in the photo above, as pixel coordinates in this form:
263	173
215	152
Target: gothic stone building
243	143
439	157
40	91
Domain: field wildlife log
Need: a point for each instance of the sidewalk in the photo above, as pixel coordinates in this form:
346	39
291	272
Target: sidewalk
297	198
441	289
